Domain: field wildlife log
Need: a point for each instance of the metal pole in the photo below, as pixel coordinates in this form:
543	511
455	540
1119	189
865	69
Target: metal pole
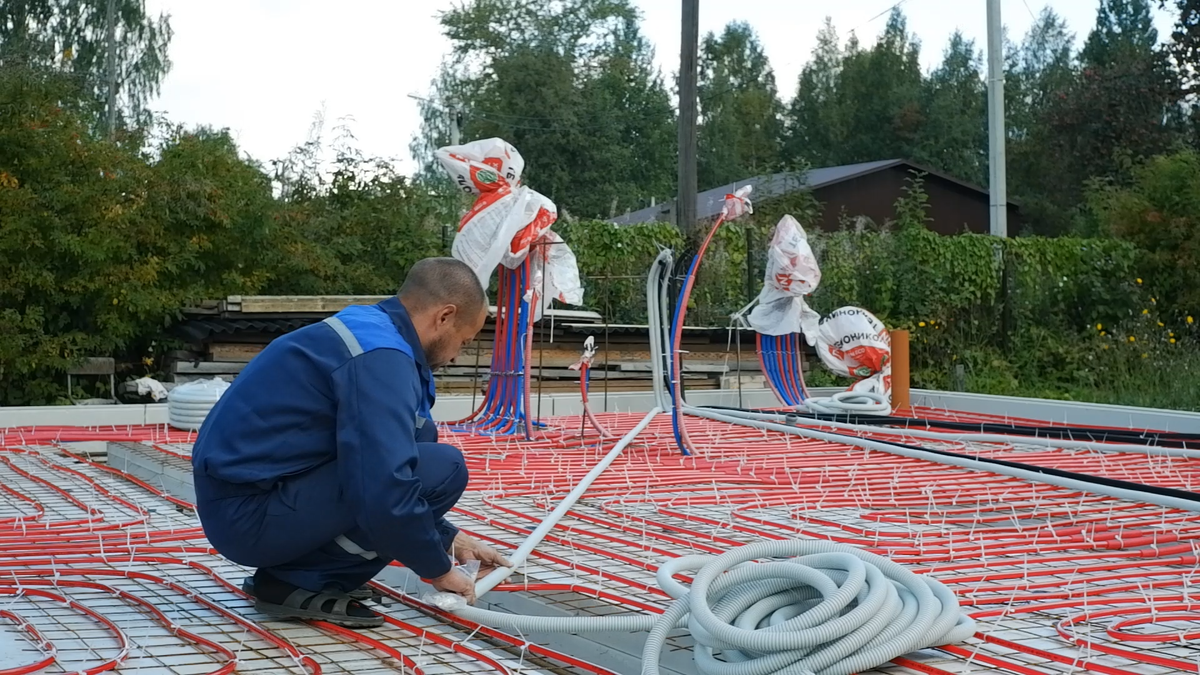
110	20
455	131
996	125
685	207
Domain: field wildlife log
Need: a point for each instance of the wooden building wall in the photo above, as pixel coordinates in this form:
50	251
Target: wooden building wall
953	208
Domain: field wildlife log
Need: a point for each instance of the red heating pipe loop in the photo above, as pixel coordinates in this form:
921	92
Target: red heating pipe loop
145	606
27	568
481	657
49	653
864	486
121	638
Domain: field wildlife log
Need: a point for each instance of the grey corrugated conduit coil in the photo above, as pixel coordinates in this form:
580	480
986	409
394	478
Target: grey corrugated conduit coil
826	608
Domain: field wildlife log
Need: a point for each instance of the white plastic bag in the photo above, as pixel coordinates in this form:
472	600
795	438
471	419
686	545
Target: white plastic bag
792	273
853	343
536	217
482	166
151	386
738	203
507	216
557	276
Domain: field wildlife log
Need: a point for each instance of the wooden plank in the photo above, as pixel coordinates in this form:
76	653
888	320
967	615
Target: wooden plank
233	352
207	368
277	304
282	304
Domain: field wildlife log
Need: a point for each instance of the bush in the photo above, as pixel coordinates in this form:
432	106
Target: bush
1160	214
1020	315
99	245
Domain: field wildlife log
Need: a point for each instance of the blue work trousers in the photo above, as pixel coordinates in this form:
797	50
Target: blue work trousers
300	529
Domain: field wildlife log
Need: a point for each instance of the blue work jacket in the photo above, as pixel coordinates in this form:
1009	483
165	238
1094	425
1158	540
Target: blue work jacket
354	389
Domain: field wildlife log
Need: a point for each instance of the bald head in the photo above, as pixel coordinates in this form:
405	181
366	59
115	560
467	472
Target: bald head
447	306
435	282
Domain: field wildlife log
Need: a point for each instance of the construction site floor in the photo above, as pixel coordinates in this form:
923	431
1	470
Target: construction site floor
104	566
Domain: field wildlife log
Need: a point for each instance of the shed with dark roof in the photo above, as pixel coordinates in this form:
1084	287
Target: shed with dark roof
868	190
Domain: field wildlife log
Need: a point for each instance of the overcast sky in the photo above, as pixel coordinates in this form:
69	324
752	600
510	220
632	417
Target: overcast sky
263	68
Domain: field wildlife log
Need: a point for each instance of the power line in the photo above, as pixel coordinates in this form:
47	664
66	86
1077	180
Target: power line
889	10
1029	9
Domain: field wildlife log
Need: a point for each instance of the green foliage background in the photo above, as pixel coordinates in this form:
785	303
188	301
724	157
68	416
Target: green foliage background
106	233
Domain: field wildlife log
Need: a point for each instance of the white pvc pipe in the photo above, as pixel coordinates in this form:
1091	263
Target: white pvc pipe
517	559
981	438
976	465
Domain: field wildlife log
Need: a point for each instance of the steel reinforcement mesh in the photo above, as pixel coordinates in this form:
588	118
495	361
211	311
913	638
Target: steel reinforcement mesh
100	571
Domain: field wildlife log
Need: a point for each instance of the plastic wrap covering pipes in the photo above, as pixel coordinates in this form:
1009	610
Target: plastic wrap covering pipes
509	227
850	341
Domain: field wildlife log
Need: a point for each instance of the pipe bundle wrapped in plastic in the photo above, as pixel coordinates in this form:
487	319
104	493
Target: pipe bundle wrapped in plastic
792	273
507	219
509	227
853	343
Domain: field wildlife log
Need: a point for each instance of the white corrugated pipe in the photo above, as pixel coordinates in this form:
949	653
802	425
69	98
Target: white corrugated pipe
188	404
828	609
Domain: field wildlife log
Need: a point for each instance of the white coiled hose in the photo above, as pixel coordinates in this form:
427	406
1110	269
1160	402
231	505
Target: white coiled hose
826	608
848	402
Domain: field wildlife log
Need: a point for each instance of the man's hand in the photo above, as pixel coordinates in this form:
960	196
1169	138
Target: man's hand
456	581
465	549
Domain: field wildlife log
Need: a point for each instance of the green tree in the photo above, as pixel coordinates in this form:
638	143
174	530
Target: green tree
879	96
1124	106
99	245
572	86
1124	30
71	36
741	116
814	123
1040	73
355	228
1185	41
954	136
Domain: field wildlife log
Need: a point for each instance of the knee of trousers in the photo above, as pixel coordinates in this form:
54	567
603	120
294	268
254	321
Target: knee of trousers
443	471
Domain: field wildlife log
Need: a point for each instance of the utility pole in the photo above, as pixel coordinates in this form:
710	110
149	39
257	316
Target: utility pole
685	206
996	127
455	124
110	21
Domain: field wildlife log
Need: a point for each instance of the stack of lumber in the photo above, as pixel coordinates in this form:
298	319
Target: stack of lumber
224	336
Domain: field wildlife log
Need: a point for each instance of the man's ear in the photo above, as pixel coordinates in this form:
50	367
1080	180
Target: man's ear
447	315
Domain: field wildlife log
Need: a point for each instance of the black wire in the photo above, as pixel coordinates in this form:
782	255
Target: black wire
1071	433
1044	470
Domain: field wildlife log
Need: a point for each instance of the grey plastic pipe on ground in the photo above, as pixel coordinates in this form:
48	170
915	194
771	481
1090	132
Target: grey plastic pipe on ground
966	463
826	608
518	558
654	290
1100	446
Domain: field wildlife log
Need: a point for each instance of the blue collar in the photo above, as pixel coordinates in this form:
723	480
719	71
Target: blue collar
399	316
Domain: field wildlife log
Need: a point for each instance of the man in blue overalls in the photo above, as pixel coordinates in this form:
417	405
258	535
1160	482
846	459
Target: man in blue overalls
320	463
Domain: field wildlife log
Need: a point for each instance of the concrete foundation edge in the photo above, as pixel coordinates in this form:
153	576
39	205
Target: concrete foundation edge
559	405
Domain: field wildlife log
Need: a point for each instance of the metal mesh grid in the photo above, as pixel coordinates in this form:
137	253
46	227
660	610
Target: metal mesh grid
1058	581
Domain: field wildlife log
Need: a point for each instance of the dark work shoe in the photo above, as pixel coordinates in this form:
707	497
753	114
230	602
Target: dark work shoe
362	593
281	600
